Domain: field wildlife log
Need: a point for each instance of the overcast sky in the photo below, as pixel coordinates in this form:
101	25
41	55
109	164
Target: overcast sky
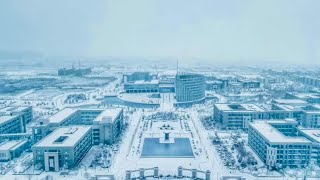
286	30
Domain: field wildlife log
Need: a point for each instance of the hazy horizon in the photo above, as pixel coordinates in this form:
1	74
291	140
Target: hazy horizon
210	30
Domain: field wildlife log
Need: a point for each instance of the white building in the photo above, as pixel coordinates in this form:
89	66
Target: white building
63	148
12	149
107	124
275	148
189	87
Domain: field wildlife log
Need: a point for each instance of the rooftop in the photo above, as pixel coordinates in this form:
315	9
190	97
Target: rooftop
60	116
272	135
6	118
313	134
14	108
108	115
289	101
284	121
9	110
64	137
11	145
239	107
307	95
155	81
286	107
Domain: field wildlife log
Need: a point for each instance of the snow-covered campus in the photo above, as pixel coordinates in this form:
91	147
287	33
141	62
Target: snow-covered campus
164	123
160	90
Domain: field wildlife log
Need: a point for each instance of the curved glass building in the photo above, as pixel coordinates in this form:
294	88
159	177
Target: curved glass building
190	87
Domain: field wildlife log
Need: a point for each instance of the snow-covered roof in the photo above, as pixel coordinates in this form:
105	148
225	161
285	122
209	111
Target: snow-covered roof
11	145
109	115
6	118
313	134
289	101
240	107
155	81
13	109
64	137
60	116
272	135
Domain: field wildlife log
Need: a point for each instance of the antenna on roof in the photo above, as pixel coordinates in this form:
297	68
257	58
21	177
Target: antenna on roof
177	66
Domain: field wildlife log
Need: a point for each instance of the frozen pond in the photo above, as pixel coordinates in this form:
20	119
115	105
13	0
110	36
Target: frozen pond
181	148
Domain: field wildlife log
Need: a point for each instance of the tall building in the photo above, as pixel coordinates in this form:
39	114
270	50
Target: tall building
63	148
276	147
189	87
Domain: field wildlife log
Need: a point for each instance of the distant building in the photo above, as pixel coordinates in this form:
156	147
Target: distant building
213	85
250	84
74	72
308	80
12	149
142	86
140	82
138	76
189	87
277	149
63	148
308	97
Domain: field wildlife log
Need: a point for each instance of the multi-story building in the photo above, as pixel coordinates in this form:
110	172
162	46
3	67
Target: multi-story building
282	111
314	136
291	102
39	130
213	85
107	127
189	87
275	148
142	86
25	112
12	149
63	148
308	80
234	116
308	97
250	84
311	116
138	76
107	123
287	127
12	124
